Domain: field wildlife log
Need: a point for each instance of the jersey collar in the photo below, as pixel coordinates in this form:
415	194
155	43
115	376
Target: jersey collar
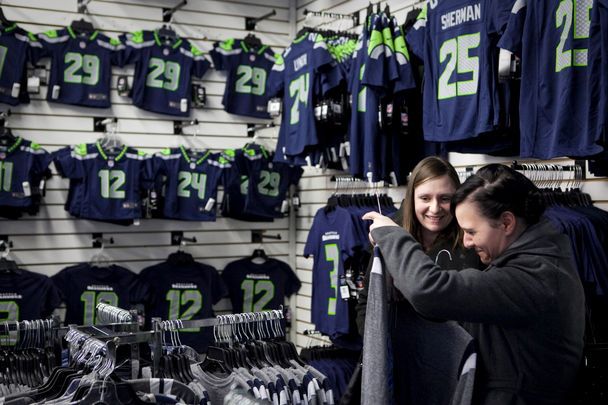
8	28
73	34
248	147
177	42
187	158
15	145
247	49
105	156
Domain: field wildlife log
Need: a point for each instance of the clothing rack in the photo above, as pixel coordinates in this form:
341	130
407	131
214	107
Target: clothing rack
552	174
354	17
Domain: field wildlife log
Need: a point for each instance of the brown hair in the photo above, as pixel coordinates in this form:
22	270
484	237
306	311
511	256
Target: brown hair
427	169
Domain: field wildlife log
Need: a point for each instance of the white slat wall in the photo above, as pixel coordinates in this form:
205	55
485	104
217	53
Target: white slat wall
316	187
53	240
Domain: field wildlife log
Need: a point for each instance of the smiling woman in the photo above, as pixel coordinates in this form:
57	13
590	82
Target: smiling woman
525	310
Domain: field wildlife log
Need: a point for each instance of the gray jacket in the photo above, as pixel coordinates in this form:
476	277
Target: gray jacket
526	311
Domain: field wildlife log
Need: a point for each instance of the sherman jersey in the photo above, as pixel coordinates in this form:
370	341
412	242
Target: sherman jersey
163	72
259	287
456	39
192	179
332	239
247	72
109	183
23	164
296	74
81	66
17	46
83	286
552	39
184	290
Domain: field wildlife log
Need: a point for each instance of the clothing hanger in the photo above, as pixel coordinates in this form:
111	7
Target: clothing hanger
259	256
5	21
167	33
7	265
252	41
101	259
82	26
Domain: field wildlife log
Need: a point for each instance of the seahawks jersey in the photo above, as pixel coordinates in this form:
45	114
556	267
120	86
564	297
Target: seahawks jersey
456	39
296	74
267	181
81	66
256	287
109	181
23	164
192	178
247	72
17	47
552	39
83	286
184	289
333	238
163	71
598	71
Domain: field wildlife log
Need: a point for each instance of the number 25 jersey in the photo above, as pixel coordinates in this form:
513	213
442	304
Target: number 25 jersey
457	42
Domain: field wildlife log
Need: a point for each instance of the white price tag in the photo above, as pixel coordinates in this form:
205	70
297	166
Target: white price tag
210	204
344	292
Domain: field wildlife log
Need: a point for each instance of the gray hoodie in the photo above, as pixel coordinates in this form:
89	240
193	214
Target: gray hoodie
526	311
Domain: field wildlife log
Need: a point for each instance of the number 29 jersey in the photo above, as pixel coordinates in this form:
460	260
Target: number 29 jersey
247	70
457	42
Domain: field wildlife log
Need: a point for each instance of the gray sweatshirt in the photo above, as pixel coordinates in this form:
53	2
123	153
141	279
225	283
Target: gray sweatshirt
526	311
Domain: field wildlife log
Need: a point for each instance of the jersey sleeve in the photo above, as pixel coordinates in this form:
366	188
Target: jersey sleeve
511	39
276	78
321	58
67	162
36	50
295	174
42	160
312	242
222	54
498	12
201	64
119	53
292	283
405	77
218	287
133	42
416	35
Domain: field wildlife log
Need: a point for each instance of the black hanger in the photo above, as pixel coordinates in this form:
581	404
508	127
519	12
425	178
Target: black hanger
9	266
217	360
332	203
5	21
304	31
259	254
167	33
370	9
387	11
180	257
82	27
252	41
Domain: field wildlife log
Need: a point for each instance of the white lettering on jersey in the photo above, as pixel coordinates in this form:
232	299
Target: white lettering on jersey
300	62
460	16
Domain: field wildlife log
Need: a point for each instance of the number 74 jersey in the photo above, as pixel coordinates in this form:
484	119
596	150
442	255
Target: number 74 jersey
457	39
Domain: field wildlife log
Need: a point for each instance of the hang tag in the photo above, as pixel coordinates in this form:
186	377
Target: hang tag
16	89
324	108
183	105
334	154
43	187
295	201
347	146
504	65
284	206
344	163
27	191
55	92
210	204
318	112
136	222
122	85
393	177
33	85
274	107
308	161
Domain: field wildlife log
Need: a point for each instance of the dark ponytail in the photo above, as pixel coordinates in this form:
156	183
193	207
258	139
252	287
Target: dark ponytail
497	188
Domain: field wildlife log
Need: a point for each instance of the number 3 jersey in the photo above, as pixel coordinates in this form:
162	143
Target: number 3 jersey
83	286
184	289
163	72
255	287
457	39
81	66
247	70
105	184
191	180
333	238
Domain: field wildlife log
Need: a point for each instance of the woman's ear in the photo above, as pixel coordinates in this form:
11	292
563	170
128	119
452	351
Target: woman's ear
508	221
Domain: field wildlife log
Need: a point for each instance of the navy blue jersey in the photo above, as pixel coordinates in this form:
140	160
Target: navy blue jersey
267	181
22	166
184	289
552	39
295	74
163	72
332	239
260	287
247	72
17	47
83	286
190	188
598	71
456	39
81	66
109	183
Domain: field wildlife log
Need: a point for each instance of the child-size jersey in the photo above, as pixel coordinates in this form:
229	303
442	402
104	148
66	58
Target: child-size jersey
112	181
23	164
456	39
267	181
163	72
247	73
598	72
17	47
296	74
256	287
192	179
83	286
332	239
81	66
552	39
184	290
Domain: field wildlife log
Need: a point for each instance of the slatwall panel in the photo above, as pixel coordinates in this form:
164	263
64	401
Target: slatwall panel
316	186
53	240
